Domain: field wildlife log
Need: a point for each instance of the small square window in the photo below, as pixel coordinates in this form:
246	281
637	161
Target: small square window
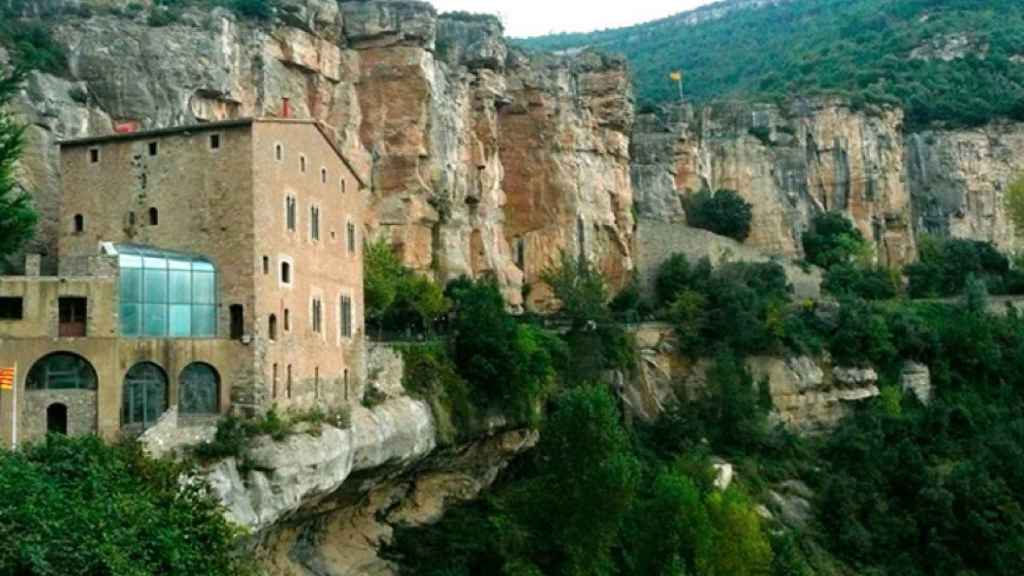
12	308
214	141
94	155
154	148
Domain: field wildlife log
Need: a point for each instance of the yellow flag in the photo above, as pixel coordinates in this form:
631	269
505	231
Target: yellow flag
676	76
7	376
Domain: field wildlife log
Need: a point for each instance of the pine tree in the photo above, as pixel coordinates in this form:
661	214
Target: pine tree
17	217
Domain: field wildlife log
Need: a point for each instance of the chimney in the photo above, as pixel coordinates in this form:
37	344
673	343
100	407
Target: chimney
286	110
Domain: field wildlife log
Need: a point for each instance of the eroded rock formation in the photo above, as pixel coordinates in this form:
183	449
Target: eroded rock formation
459	138
790	162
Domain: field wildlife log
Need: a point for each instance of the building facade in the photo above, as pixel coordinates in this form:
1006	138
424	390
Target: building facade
208	268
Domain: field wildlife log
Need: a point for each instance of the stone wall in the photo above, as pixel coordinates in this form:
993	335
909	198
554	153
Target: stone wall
81	411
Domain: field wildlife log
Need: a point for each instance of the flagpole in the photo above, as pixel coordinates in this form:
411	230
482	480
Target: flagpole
14	412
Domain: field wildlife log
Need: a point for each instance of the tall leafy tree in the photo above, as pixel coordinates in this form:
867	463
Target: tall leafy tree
17	217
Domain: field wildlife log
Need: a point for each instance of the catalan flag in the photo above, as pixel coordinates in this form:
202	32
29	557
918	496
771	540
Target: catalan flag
7	378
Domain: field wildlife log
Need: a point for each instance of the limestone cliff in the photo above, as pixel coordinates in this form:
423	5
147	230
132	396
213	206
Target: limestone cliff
456	136
789	161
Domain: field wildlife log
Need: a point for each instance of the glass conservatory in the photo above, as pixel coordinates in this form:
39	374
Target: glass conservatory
166	294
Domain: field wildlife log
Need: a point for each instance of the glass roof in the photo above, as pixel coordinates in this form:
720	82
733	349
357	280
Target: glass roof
150	252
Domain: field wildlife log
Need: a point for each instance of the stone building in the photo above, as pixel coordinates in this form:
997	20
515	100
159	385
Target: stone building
203	268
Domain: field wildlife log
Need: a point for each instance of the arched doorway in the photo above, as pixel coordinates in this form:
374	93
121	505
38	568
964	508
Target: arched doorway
57	419
145	395
199	390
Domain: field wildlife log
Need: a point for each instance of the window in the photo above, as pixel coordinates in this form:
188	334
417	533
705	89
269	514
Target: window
199	390
290	207
314	223
351	238
278	152
302	164
288	384
166	294
94	155
57	419
131	218
266	265
153	148
345	379
274	391
237	312
79	223
272	327
323	175
342	184
144	398
72	317
287	320
346	316
154	217
214	141
61	371
12	308
318	315
286	273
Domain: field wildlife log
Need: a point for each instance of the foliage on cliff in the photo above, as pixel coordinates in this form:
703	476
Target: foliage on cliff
17	217
82	507
955	62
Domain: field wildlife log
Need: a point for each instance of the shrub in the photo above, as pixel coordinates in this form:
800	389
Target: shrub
869	283
946	264
677	274
33	47
430	375
83	507
397	297
255	9
725	213
832	240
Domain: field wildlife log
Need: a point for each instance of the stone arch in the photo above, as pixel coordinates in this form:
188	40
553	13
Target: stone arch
61	371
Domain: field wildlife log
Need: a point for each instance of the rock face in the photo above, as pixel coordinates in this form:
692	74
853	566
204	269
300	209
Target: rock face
789	162
959	178
807	394
458	138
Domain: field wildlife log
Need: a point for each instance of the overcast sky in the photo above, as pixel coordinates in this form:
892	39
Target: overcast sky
535	17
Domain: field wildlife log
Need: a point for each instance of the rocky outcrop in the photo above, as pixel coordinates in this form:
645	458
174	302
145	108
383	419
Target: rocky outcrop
790	162
959	178
456	136
808	395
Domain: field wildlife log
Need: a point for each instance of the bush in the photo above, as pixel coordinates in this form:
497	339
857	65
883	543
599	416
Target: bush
725	213
431	376
869	283
396	297
33	47
677	274
255	9
946	264
79	506
832	240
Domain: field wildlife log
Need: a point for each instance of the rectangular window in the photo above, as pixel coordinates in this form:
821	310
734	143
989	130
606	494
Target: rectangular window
290	205
317	315
94	155
72	314
266	265
314	223
154	148
214	141
12	308
346	317
351	238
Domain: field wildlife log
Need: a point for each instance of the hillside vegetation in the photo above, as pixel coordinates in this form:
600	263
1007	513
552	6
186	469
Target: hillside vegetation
947	62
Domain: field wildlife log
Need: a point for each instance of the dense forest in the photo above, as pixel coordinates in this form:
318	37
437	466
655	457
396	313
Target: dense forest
947	62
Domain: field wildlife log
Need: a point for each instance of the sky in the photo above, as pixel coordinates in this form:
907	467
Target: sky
525	18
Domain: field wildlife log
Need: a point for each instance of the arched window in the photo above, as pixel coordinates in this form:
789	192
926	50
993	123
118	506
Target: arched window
79	223
323	175
61	371
199	390
144	397
278	152
272	327
302	164
287	320
154	217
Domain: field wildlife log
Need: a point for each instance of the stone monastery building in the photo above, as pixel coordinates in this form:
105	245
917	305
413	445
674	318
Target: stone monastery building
201	269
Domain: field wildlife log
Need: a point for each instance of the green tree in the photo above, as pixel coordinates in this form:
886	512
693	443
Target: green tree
832	240
1015	204
382	273
17	217
725	213
83	507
